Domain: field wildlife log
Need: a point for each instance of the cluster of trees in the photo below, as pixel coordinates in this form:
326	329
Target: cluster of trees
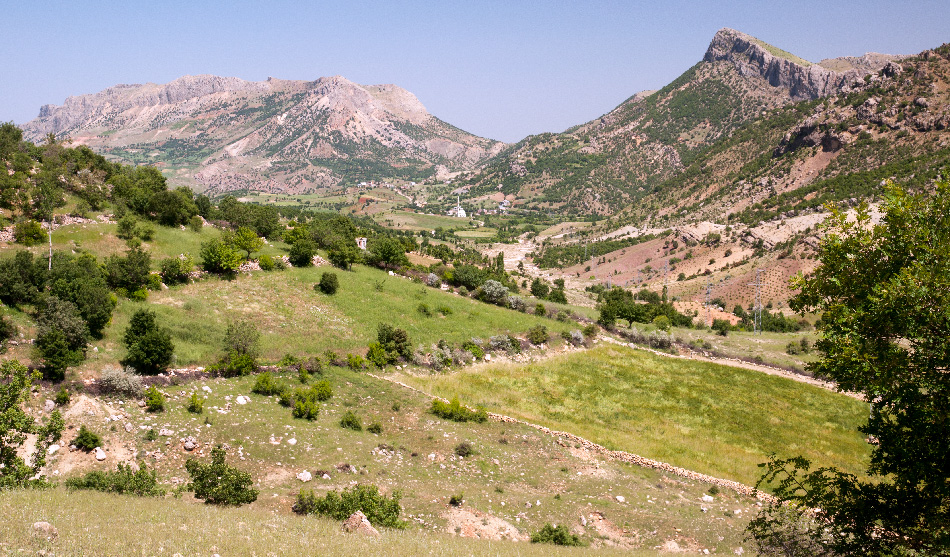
645	306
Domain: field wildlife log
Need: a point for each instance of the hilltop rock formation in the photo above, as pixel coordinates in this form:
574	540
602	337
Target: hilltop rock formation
802	79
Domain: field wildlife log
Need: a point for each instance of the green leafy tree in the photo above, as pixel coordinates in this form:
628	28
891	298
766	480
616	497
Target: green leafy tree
130	272
883	291
329	283
15	425
388	253
218	483
219	257
246	240
61	337
150	347
344	255
302	252
539	289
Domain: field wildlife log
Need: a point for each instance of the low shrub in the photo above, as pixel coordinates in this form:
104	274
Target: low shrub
453	410
117	381
266	263
379	509
444	310
423	309
557	535
28	233
355	362
539	310
351	421
124	480
322	390
457	500
329	283
218	483
154	400
537	334
175	270
475	349
266	385
464	449
87	440
62	396
375	428
196	404
234	364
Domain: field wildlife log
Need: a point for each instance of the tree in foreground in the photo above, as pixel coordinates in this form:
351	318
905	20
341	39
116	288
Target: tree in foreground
884	295
218	483
16	425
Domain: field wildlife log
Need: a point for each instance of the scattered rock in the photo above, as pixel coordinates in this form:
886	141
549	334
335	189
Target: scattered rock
100	454
707	499
326	476
206	389
165	432
45	529
291	441
190	445
52	449
242	400
305	476
621	499
358	523
49	406
128	427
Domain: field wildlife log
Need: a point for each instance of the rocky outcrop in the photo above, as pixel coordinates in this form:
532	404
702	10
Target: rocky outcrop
803	80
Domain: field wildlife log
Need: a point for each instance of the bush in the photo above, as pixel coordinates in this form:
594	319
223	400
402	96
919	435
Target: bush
28	233
662	322
154	400
322	390
116	381
219	258
721	326
423	309
355	362
453	410
220	484
266	263
150	347
557	535
196	223
494	292
456	500
375	428
444	310
351	421
464	449
242	338
590	331
302	252
124	480
329	283
62	397
499	342
305	409
475	349
539	310
538	334
196	404
87	440
234	365
379	509
267	386
175	270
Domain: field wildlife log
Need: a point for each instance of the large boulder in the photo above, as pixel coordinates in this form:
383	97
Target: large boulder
359	524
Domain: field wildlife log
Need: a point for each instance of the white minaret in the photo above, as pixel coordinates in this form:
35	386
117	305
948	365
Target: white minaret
459	211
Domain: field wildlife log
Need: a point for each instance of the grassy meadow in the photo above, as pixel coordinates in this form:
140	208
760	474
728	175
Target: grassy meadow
710	418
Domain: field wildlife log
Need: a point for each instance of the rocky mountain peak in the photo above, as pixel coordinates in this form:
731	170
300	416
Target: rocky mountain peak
801	78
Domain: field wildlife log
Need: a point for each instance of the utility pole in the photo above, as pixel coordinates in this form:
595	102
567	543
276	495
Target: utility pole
757	309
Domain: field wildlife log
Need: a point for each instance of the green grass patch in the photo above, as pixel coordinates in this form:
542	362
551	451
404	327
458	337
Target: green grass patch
710	418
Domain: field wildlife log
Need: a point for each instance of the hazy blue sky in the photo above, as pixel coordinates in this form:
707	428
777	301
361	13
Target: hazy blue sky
498	69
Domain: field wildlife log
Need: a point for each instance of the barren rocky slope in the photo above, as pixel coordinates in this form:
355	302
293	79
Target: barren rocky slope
224	133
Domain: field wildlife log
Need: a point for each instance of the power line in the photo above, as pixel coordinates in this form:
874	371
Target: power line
757	309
